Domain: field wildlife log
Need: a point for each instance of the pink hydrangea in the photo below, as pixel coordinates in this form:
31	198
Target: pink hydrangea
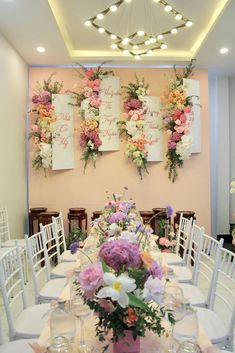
132	104
91	278
162	241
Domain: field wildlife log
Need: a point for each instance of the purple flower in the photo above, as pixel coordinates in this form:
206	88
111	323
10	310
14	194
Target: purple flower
156	270
120	253
116	217
169	211
91	279
45	97
74	247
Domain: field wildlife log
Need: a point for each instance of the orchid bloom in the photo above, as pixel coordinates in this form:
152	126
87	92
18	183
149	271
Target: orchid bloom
117	288
153	290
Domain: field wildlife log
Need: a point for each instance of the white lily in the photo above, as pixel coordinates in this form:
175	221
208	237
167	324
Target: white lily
117	288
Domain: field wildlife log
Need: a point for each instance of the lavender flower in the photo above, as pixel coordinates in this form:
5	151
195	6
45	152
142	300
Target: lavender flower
117	217
169	211
120	253
74	247
156	270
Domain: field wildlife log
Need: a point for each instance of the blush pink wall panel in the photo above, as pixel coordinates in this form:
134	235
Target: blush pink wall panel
61	190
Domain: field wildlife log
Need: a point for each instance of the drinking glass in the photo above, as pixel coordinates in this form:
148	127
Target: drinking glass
60	344
188	347
80	311
186	329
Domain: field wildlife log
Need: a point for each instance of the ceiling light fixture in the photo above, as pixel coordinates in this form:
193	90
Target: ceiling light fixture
126	52
223	50
132	42
41	49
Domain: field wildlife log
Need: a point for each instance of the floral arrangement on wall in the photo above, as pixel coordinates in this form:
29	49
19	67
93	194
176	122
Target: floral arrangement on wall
176	107
133	125
43	119
88	100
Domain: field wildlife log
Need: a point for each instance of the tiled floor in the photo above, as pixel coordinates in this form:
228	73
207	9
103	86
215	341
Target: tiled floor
220	308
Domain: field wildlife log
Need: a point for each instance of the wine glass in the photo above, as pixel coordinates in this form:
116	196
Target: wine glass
186	329
80	311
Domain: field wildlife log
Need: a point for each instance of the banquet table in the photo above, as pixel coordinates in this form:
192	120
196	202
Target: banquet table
149	344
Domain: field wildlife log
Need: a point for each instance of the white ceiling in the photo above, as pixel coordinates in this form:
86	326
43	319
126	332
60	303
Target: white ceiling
31	23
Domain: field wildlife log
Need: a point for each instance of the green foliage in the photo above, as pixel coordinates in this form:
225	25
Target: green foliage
52	87
76	234
173	162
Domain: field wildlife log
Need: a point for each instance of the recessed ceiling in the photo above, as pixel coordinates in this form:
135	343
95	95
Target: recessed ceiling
86	42
58	25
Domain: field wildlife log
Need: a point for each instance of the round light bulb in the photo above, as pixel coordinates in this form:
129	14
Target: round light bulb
164	46
160	37
137	57
127	0
100	16
141	33
114	46
135	47
174	30
113	8
41	49
178	16
147	42
156	0
223	51
189	23
126	52
150	52
152	40
125	41
168	8
113	36
87	23
101	30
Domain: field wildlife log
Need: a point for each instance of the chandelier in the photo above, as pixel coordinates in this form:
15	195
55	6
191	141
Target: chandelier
140	43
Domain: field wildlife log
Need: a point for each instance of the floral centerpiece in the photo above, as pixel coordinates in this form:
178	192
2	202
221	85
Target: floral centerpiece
166	240
121	219
176	107
89	101
125	290
133	126
43	116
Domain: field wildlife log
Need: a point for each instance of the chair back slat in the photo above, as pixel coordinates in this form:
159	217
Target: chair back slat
59	232
12	284
37	260
50	244
194	249
183	236
4	226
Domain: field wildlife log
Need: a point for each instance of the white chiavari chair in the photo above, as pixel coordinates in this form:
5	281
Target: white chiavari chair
52	253
65	255
6	241
52	289
219	324
182	242
30	319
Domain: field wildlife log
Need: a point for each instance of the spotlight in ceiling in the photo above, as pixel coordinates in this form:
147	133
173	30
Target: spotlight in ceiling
168	8
101	29
41	49
223	51
114	46
113	36
141	33
164	46
87	23
174	30
160	37
189	23
100	16
113	8
137	57
178	16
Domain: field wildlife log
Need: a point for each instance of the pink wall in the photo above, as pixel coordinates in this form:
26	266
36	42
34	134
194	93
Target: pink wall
64	189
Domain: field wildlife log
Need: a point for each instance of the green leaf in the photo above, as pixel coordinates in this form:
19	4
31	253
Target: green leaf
136	302
105	267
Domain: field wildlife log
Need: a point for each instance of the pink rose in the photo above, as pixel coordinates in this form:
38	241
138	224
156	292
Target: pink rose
89	73
176	136
187	110
91	279
168	251
178	122
35	128
172	145
179	129
167	243
183	118
162	241
177	113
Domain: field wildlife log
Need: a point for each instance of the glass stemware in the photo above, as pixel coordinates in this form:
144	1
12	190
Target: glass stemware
80	311
186	329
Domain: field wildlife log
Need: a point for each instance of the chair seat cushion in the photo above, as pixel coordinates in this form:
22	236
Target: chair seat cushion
66	256
11	243
31	321
52	289
213	326
18	346
61	270
172	259
183	273
194	294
